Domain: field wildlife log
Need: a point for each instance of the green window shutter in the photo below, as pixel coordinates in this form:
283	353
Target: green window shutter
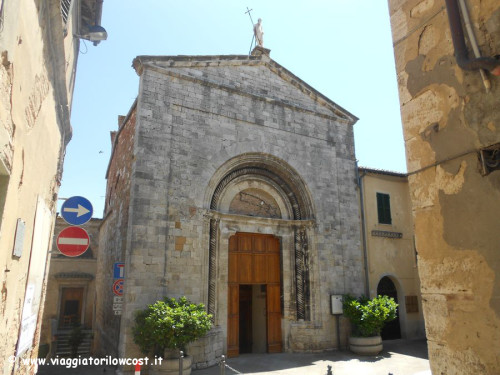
384	208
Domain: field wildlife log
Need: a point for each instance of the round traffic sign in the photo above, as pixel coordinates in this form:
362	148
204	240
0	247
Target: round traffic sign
76	210
73	241
118	287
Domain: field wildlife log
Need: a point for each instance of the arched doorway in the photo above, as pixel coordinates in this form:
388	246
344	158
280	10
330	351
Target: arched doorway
258	198
254	290
391	330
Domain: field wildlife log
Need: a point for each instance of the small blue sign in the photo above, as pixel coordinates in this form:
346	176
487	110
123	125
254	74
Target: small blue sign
119	271
76	210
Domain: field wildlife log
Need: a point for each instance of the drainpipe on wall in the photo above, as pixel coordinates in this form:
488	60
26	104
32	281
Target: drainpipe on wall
363	231
492	64
473	42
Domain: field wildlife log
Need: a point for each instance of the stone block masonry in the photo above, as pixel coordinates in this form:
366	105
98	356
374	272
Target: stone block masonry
246	123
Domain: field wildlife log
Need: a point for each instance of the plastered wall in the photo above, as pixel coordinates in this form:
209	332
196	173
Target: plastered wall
393	256
447	117
35	101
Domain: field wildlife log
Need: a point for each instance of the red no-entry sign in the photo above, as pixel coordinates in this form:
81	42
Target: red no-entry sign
73	241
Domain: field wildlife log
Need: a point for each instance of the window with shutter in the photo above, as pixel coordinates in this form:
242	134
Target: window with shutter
384	208
65	10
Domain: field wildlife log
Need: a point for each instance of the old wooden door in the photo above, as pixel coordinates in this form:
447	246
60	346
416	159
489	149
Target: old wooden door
71	307
254	259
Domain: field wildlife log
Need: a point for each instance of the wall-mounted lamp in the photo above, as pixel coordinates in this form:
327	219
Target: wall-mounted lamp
95	33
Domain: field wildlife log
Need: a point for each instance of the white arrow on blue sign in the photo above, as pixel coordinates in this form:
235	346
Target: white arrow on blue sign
76	210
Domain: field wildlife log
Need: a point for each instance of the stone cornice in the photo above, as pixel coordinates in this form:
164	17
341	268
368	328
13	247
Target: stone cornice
213	214
162	63
238	91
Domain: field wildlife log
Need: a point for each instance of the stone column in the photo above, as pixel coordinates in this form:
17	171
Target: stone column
301	272
212	266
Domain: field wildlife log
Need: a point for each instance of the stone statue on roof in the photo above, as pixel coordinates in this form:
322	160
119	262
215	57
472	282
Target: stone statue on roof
259	33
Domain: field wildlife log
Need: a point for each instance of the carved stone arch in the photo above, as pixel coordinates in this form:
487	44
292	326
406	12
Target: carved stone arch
294	190
255	189
268	166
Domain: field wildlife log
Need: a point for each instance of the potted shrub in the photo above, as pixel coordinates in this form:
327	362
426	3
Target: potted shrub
166	327
367	317
75	339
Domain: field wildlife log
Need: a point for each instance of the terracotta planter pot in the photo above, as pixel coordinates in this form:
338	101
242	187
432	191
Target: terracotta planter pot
366	345
170	366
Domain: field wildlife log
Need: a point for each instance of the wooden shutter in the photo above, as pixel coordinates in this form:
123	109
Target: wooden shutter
384	208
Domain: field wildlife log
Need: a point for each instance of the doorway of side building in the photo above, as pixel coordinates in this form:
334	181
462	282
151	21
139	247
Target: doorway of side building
71	307
254	303
391	330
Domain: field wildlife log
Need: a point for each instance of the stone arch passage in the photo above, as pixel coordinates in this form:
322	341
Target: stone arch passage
391	330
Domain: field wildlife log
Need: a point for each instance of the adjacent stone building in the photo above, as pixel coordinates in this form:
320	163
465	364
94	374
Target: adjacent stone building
231	182
71	293
389	247
451	123
39	50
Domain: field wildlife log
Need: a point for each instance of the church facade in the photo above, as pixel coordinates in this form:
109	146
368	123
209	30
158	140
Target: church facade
231	182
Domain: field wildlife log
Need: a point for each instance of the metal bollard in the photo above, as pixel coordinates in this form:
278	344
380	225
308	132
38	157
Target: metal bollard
181	360
223	365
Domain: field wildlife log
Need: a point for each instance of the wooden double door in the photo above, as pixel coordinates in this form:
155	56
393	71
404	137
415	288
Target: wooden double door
70	312
254	270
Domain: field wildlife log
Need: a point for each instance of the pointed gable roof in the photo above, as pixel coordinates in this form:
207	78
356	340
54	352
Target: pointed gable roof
194	68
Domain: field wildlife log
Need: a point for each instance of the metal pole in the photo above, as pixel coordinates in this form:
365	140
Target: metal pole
223	365
181	360
251	44
338	332
248	12
251	20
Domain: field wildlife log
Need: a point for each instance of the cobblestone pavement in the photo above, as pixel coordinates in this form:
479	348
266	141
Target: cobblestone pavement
399	357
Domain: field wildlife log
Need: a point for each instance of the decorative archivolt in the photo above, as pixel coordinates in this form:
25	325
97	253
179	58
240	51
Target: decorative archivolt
279	175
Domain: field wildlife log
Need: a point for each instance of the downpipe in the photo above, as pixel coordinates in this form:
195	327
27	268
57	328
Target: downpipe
491	64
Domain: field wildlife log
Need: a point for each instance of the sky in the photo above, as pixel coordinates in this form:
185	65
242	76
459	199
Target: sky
342	48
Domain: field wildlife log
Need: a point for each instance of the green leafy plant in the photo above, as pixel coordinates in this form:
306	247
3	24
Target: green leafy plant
75	339
170	324
368	316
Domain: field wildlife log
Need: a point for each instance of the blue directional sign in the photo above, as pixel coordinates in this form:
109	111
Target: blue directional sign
76	210
118	271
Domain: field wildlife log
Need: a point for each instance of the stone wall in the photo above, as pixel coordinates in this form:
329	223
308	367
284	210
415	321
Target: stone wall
197	116
448	116
113	233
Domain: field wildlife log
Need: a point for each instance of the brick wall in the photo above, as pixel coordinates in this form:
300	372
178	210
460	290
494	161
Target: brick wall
113	233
